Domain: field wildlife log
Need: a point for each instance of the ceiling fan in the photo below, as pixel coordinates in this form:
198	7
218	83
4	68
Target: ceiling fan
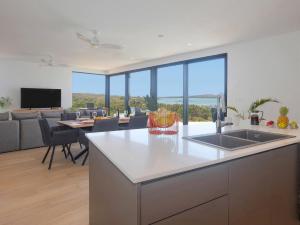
94	41
49	61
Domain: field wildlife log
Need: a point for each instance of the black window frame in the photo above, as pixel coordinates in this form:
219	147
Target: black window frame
185	74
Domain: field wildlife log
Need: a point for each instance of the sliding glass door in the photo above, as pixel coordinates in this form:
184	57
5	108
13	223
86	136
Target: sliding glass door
189	87
170	88
139	89
206	81
117	94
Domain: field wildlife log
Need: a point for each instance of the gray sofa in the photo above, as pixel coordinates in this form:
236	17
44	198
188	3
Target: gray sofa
23	131
30	132
9	134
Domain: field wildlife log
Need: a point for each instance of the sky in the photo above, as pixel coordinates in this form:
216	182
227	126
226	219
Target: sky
88	83
205	77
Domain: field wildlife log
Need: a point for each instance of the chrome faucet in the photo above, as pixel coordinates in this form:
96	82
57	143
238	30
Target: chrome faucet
220	109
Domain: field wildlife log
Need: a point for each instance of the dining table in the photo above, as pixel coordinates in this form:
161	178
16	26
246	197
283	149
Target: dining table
87	122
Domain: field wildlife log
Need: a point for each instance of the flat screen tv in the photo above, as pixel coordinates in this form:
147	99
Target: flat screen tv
40	98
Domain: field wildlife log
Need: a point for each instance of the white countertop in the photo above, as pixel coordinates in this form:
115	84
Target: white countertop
141	156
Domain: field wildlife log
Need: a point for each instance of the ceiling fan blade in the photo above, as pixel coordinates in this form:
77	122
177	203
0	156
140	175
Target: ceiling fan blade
62	65
82	37
111	46
95	32
44	61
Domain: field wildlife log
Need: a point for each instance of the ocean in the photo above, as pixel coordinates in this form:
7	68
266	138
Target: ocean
192	101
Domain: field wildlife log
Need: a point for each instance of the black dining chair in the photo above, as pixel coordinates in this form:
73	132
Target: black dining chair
68	116
138	122
99	112
99	126
90	105
106	125
56	137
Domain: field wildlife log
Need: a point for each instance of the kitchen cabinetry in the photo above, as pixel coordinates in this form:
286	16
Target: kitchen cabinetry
258	189
262	188
211	213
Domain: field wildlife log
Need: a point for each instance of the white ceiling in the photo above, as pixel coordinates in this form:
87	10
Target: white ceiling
31	29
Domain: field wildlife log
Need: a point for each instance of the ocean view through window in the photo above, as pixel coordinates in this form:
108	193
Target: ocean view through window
170	88
188	87
206	82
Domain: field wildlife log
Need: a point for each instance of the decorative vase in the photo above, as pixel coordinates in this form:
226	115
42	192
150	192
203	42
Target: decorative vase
256	117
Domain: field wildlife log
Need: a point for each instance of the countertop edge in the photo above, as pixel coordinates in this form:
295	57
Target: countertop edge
250	151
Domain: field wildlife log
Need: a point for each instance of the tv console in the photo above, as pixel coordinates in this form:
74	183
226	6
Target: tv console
38	110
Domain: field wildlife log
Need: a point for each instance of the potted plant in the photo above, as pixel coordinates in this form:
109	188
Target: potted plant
5	102
256	115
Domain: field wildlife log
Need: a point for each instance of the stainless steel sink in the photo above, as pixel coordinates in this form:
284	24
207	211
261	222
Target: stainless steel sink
257	136
222	141
238	139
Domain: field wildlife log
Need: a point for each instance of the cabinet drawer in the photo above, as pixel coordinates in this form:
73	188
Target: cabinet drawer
211	213
166	197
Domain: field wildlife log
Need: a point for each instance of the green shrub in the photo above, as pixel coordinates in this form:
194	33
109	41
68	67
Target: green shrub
196	112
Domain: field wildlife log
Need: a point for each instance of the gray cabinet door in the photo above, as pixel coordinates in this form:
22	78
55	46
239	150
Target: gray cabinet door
166	197
249	190
284	186
262	188
211	213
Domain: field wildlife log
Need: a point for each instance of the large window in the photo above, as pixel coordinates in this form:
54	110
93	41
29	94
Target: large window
139	89
206	81
117	94
88	88
170	88
188	87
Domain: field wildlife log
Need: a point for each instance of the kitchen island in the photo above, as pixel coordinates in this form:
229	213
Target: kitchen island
142	179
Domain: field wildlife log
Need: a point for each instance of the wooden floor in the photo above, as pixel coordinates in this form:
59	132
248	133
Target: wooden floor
32	195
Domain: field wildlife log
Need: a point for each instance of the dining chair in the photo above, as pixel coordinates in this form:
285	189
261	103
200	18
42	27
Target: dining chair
99	126
137	110
53	138
64	117
99	112
106	125
138	122
90	105
68	116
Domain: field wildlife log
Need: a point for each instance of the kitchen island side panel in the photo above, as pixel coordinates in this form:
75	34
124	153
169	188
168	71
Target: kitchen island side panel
113	198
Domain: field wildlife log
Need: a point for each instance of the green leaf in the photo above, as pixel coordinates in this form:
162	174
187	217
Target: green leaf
232	108
253	107
5	102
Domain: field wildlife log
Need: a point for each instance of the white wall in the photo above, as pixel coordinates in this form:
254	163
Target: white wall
268	67
16	74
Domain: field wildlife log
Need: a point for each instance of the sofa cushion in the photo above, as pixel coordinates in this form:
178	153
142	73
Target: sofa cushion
4	116
51	114
30	133
24	115
9	135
